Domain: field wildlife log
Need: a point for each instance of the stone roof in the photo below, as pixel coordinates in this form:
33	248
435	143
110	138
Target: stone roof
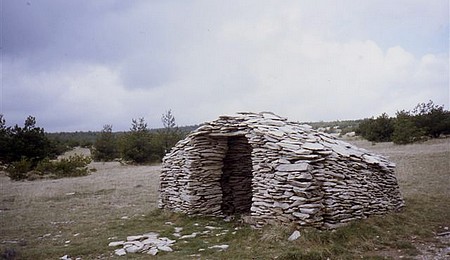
277	171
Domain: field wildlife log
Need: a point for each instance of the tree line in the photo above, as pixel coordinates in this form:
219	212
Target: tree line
139	144
426	120
29	149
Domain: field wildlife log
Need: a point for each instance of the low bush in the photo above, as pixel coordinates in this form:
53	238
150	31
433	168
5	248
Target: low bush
105	147
379	129
18	170
73	166
426	120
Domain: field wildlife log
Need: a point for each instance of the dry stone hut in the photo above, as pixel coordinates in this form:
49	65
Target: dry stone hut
274	170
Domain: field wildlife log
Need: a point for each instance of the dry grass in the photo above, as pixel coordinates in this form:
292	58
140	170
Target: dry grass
39	218
79	210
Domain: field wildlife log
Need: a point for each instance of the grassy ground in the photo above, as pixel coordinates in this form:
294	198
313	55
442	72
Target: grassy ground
47	219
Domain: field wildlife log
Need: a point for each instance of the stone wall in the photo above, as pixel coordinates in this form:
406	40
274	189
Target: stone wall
276	170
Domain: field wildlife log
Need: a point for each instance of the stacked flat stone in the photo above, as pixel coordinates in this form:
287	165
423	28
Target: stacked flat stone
276	171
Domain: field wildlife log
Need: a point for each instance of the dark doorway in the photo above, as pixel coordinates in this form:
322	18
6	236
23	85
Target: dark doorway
236	179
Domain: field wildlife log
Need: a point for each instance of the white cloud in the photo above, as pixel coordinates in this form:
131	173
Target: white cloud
308	61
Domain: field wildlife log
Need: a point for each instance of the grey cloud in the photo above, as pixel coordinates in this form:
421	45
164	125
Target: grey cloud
204	58
55	32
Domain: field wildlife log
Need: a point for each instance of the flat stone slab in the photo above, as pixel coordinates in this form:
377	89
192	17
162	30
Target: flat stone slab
296	167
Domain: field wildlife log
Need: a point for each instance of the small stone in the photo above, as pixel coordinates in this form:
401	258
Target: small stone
150	234
294	236
210	227
189	236
220	247
150	240
152	251
116	243
65	257
120	252
178	229
133	238
165	248
132	249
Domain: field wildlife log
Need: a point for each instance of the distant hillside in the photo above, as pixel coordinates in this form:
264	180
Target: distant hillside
338	127
86	139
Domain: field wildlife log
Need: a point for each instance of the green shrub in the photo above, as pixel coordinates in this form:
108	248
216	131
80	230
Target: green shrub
425	120
432	119
18	170
377	130
73	166
136	145
405	129
28	142
105	147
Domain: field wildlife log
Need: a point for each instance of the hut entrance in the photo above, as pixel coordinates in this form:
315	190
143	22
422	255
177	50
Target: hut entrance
236	179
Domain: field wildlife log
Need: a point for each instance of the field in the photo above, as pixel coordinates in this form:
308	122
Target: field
47	219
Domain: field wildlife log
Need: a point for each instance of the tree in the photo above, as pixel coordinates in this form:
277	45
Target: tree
5	139
29	142
136	145
170	133
432	119
405	129
105	147
377	130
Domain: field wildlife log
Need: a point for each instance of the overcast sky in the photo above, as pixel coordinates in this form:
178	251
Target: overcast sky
78	65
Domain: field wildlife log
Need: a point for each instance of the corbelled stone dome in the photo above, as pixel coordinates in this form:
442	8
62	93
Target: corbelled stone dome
275	171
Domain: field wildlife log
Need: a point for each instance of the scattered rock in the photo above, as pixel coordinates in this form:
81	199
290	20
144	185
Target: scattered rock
220	247
189	236
116	243
149	243
133	238
294	236
178	229
120	252
165	248
210	227
133	248
152	251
